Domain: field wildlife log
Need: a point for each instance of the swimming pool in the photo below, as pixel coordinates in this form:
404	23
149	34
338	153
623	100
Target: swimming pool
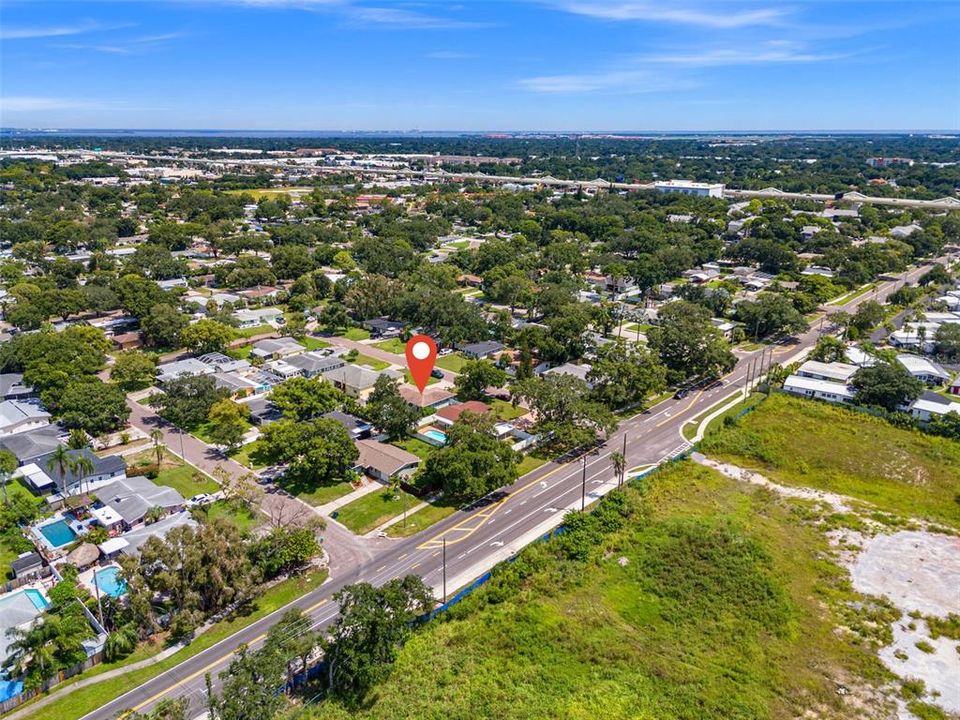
33	595
108	581
58	533
436	435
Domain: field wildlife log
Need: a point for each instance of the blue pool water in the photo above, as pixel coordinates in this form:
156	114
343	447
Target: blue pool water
436	435
58	533
108	581
34	595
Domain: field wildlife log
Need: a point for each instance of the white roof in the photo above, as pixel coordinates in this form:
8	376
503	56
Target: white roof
814	385
857	356
110	546
106	515
831	371
915	364
935	408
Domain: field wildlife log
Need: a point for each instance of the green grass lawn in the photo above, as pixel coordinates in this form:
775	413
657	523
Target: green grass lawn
313	343
421	519
372	510
393	345
530	463
316	495
356	334
85	700
801	442
701	598
453	362
174	472
370	362
241	353
415	446
506	411
251	456
690	429
236	513
11	549
250	332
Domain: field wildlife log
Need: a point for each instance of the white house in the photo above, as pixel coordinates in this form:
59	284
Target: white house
17	416
818	389
836	372
924	369
263	316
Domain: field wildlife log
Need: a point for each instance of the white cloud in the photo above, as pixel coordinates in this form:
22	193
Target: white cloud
715	58
129	46
623	81
713	15
401	18
46	31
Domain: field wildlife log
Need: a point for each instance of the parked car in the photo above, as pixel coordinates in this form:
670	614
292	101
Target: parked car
199	499
436	373
445	352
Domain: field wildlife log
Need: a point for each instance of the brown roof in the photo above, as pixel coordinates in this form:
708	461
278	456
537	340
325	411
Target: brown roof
84	555
430	395
388	459
453	412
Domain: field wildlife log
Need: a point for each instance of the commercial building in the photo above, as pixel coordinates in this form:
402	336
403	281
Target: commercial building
689	187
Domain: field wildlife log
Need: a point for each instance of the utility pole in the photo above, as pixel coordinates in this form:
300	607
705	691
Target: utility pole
583	486
444	571
623	469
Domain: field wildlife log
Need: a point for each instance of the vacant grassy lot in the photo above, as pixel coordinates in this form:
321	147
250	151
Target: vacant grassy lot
415	446
800	442
251	455
85	700
506	411
355	333
531	462
371	362
365	513
173	472
313	343
393	345
699	599
234	512
453	362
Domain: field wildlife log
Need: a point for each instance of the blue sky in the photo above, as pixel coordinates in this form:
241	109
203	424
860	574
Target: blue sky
481	64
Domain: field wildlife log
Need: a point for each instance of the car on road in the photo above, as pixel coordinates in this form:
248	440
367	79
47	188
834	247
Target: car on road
681	393
445	352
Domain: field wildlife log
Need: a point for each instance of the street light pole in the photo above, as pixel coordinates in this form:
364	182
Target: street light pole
623	467
583	486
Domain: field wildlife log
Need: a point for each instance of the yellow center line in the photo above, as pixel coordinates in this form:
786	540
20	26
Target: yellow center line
382	567
680	412
403	556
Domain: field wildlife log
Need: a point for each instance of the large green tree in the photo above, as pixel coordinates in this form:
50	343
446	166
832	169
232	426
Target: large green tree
624	374
887	385
305	398
372	626
387	409
475	377
688	344
93	406
186	401
564	409
472	463
317	451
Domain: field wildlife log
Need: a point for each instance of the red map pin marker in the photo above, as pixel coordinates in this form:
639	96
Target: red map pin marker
421	355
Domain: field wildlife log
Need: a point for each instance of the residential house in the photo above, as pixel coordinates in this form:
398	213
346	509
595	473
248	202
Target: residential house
127	341
183	368
28	564
262	411
836	372
573	370
431	397
276	348
383	327
931	405
385	462
33	444
132	499
260	293
358	428
12	387
904	231
355	380
449	415
818	389
46	479
247	319
131	542
924	369
485	349
312	364
17	416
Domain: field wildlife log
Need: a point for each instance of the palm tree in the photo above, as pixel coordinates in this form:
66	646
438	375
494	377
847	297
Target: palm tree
8	463
157	436
60	462
619	465
83	467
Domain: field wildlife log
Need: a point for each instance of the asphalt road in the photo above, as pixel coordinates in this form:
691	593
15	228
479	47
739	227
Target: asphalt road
475	541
